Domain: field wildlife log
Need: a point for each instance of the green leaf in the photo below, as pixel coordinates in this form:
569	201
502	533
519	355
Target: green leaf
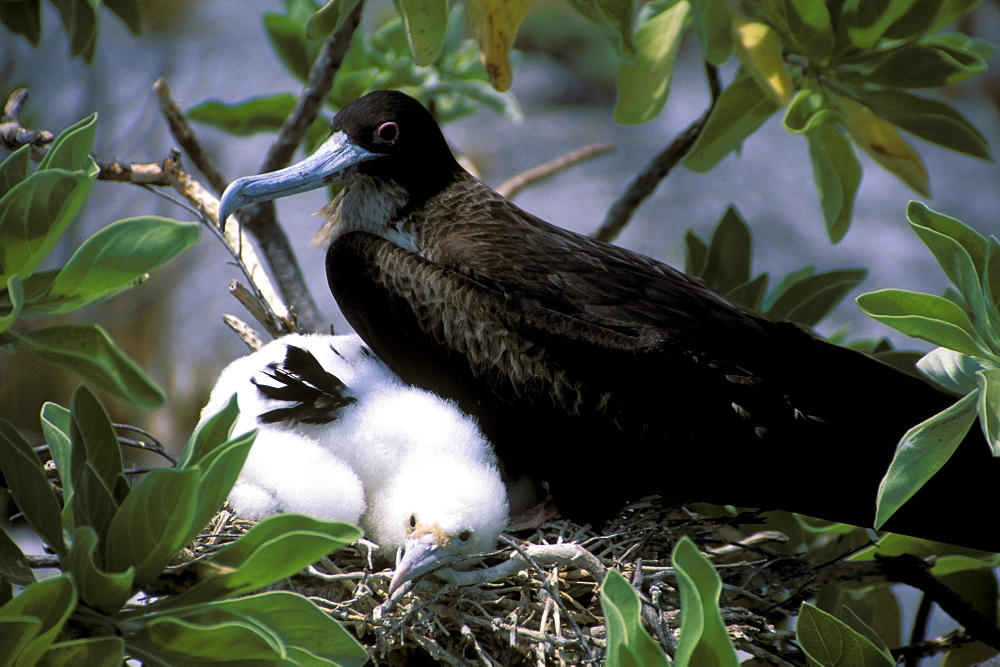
102	590
614	18
91	651
644	85
922	66
129	11
729	254
826	640
425	22
628	641
926	316
93	436
71	149
854	622
808	298
14	566
948	557
989	406
80	19
959	249
923	450
713	22
15	295
868	20
33	215
331	15
276	548
116	258
837	173
804	25
265	113
742	107
167	509
29	487
211	434
87	350
50	601
751	293
17	632
952	370
15	168
289	42
695	254
916	21
152	522
928	119
23	18
57	427
703	638
264	626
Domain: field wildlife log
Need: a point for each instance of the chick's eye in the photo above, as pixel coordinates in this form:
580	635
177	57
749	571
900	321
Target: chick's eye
465	536
412	521
386	133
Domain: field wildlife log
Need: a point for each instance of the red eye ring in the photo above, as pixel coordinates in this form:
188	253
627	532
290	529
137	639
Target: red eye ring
386	133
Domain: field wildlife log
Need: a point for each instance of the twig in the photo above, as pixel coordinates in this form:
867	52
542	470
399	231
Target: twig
919	631
543	554
244	331
512	186
39	561
181	129
153	445
930	647
649	178
12	135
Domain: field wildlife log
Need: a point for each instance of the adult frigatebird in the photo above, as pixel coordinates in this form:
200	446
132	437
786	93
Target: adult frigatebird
606	373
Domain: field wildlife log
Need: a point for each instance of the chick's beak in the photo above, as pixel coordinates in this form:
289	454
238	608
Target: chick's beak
421	554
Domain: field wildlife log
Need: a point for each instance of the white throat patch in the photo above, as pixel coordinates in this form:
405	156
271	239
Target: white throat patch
371	205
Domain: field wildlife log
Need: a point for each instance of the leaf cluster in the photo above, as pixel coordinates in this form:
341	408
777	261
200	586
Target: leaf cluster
114	540
453	83
965	325
81	20
36	208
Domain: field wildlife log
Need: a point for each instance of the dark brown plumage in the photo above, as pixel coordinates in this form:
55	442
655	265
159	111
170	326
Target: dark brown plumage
606	373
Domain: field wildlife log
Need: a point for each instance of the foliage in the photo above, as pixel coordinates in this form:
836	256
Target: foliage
628	641
114	540
965	325
36	208
80	18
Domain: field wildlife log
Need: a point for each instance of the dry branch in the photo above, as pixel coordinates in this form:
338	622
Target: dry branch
512	186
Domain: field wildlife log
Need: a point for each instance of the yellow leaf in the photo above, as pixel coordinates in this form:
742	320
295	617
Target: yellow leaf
758	48
883	142
496	23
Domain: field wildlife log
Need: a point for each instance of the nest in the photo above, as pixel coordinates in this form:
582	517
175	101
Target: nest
537	599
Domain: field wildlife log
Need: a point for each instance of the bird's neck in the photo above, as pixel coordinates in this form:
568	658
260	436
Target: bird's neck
373	205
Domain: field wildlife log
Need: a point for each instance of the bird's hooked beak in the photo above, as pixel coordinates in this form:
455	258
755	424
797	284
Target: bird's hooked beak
332	162
421	554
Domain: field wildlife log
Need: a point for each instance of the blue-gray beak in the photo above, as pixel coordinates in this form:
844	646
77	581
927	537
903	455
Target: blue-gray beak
421	554
333	162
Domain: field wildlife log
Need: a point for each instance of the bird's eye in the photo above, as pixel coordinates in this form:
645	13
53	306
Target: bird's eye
465	536
386	133
412	521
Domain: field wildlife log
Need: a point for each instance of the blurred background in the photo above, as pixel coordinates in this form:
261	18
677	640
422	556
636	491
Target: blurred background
564	83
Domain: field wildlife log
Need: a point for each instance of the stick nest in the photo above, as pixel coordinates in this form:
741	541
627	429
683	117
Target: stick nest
537	599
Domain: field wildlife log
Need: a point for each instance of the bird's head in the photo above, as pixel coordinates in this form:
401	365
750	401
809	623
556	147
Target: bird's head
385	134
439	513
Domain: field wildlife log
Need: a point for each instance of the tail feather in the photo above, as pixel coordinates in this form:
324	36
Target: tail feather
316	395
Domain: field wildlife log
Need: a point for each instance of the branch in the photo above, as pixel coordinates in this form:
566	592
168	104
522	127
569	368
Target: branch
260	219
12	135
512	186
566	554
181	129
318	87
649	178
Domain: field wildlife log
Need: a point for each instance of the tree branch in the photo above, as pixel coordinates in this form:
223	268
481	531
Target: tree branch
649	178
512	186
182	132
260	219
12	135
